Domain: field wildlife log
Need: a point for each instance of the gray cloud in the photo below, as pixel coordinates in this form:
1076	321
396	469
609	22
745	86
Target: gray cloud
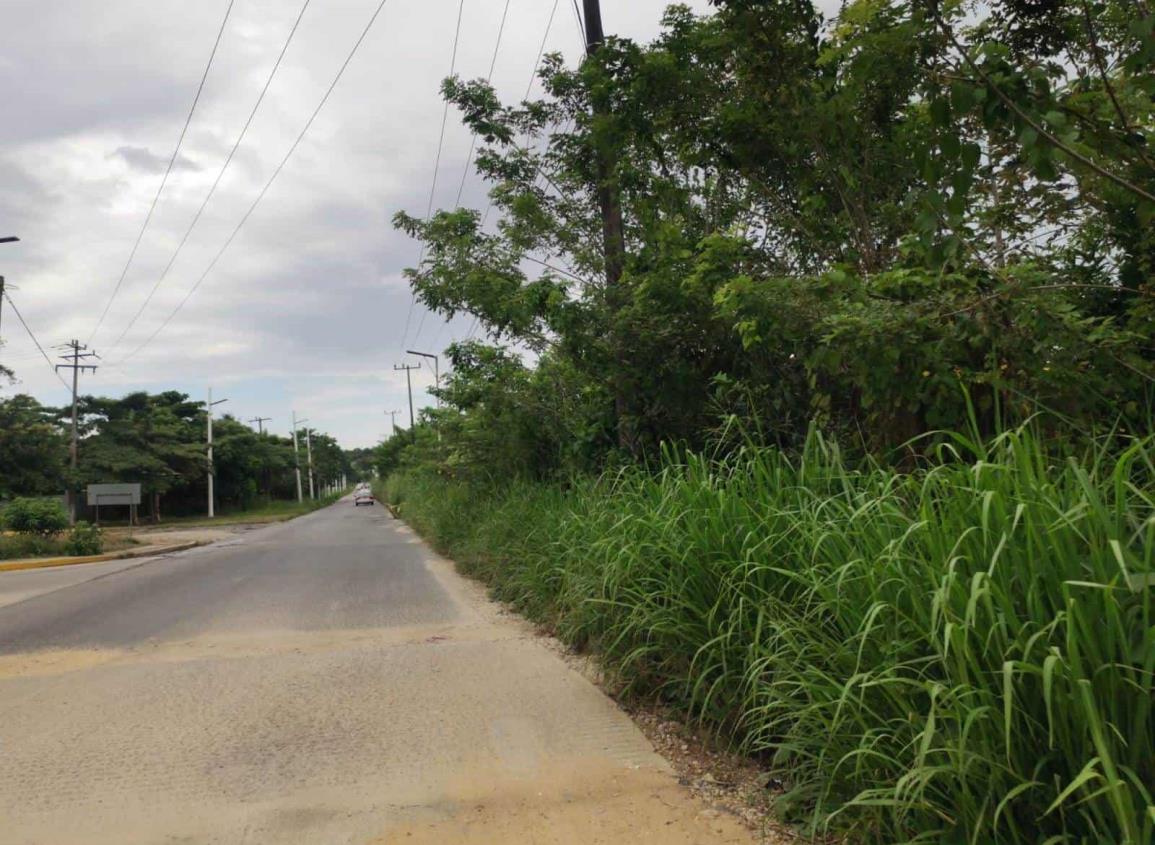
307	308
143	159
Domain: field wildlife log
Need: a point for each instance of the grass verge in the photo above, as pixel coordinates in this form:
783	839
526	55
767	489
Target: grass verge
276	511
964	653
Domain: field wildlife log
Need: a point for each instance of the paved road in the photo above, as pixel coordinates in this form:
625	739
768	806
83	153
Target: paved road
326	680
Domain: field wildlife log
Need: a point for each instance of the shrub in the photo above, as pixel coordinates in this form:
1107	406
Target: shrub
84	539
40	517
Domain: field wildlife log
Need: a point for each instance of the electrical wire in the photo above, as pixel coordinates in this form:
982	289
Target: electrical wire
528	91
236	231
577	15
32	335
488	81
436	165
472	141
204	203
167	172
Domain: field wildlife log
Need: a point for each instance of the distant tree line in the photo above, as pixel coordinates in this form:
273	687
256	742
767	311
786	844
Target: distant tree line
157	440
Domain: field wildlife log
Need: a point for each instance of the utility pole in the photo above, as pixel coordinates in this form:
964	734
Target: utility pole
79	353
5	240
393	420
436	381
212	472
297	457
409	382
609	199
608	196
260	421
309	448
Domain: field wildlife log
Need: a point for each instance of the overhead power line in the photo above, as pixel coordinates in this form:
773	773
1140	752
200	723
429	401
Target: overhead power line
577	16
472	138
436	163
167	171
32	335
236	231
528	91
216	182
489	81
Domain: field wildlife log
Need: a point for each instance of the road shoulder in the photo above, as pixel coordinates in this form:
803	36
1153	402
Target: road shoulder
716	788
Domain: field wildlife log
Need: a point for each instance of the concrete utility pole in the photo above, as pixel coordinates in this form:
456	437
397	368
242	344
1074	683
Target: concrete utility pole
260	421
393	420
409	382
77	355
212	471
309	449
297	457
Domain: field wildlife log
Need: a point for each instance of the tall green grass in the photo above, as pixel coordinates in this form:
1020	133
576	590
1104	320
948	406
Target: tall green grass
964	653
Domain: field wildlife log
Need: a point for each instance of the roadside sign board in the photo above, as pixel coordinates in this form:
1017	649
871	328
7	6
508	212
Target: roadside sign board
113	494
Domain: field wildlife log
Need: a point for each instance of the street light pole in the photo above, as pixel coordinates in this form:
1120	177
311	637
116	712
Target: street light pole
297	457
436	370
6	240
212	472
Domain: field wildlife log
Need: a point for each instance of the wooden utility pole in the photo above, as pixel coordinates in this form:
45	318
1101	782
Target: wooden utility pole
409	382
260	421
613	236
609	199
393	420
79	353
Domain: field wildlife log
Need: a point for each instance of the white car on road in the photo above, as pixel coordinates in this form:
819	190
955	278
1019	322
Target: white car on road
363	496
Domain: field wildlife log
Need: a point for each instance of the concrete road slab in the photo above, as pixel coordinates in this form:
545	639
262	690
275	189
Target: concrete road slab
25	584
324	681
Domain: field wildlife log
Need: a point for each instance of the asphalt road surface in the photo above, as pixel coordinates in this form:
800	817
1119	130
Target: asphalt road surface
326	680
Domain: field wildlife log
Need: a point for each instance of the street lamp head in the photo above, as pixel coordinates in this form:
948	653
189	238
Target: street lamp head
9	240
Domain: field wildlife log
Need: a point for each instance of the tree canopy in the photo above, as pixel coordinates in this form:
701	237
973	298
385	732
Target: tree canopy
158	441
904	218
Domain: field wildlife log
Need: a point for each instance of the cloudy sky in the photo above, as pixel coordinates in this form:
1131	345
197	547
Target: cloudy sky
306	308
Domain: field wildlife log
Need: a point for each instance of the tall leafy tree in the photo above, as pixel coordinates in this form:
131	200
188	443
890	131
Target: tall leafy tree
33	450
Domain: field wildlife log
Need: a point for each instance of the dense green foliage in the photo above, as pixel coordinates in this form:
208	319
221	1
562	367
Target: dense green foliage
84	539
31	458
38	517
844	220
157	440
963	653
